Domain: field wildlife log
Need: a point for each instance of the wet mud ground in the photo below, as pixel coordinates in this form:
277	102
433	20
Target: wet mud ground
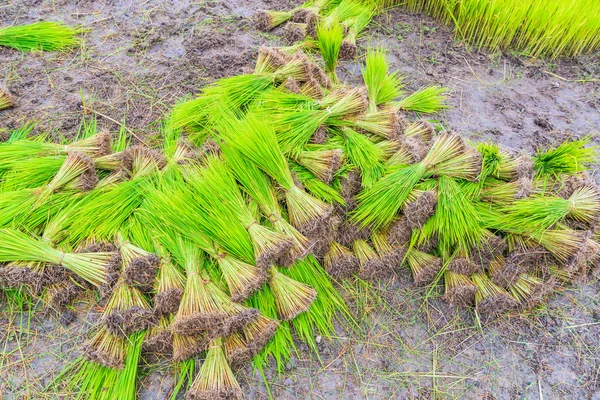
140	57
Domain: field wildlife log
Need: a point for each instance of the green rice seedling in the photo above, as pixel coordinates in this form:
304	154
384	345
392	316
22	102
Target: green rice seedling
281	347
428	100
215	380
400	159
371	265
296	126
315	186
568	158
219	185
490	299
496	163
387	123
204	308
258	186
364	154
242	278
127	311
328	306
382	85
421	129
269	20
425	267
256	140
379	204
322	163
340	262
330	39
459	289
457	222
17	246
539	213
502	193
6	100
125	384
43	35
292	297
566	245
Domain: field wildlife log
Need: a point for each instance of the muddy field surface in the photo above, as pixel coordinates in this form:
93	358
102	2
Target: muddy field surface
140	57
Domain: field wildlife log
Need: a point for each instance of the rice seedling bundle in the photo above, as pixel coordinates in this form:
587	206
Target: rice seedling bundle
267	187
43	35
536	28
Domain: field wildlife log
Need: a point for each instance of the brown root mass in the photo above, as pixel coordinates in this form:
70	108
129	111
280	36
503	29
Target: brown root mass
393	259
427	273
293	32
419	211
263	21
64	296
416	148
531	260
487	251
349	232
126	322
167	302
464	266
194	345
374	269
141	272
160	343
494	306
507	274
525	188
220	394
461	295
291	84
400	232
525	167
252	287
347	50
342	266
100	357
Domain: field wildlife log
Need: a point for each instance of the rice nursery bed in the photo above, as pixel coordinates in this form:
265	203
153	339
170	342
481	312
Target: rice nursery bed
278	207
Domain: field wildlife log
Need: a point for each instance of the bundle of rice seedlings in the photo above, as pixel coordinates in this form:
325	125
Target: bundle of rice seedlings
503	193
204	306
218	185
256	140
106	349
187	346
127	311
568	158
169	285
215	380
268	20
462	264
43	35
60	294
258	186
420	129
330	38
382	85
258	333
424	266
139	265
340	262
391	256
379	204
322	163
291	297
504	272
242	278
490	299
236	350
420	206
371	265
76	173
530	290
6	100
459	289
296	124
365	155
354	26
457	222
17	246
428	100
294	32
158	339
387	124
536	214
497	163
